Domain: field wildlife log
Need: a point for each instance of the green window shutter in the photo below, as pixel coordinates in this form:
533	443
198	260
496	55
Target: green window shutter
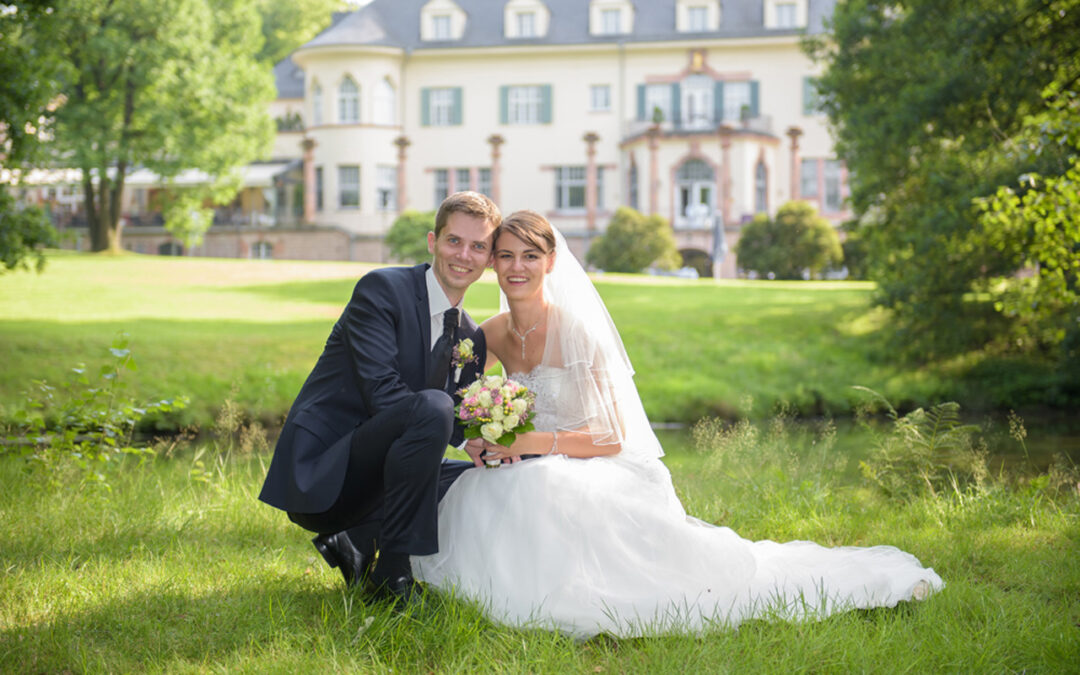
425	110
676	104
504	104
754	108
809	96
545	104
718	102
456	115
641	103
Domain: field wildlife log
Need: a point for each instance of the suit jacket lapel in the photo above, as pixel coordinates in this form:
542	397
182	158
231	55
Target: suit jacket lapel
423	315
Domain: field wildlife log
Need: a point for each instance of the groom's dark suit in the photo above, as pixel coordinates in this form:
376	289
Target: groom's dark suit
357	448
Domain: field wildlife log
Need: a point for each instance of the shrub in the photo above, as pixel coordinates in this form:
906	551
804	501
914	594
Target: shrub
633	242
407	238
23	231
797	239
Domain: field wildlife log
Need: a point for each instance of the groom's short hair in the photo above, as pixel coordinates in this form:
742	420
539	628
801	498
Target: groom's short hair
468	202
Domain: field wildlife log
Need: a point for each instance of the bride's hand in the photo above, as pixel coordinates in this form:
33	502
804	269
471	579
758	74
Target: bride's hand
500	452
474	448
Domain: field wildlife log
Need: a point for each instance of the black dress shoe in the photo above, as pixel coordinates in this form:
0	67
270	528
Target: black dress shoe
338	551
402	591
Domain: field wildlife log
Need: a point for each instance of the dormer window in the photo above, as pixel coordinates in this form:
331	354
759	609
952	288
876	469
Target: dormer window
611	17
526	24
786	14
697	16
525	19
440	27
441	20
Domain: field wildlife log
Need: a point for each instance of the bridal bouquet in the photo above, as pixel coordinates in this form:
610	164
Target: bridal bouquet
496	409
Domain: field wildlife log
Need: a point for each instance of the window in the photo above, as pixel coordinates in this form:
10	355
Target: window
462	181
526	24
348	102
600	98
262	250
385	102
808	179
570	188
523	105
698	97
349	187
786	15
316	104
697	19
761	188
658	97
386	188
442	186
610	21
833	196
441	107
318	188
483	181
633	186
440	27
811	100
736	96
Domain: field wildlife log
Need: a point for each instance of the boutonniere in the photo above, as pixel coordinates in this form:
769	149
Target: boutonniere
463	354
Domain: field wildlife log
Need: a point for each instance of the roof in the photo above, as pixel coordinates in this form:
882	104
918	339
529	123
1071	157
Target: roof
289	79
396	23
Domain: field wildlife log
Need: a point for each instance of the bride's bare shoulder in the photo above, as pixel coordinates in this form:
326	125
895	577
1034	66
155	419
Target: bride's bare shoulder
495	326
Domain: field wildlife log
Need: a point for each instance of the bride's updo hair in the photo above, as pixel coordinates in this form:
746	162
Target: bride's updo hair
531	228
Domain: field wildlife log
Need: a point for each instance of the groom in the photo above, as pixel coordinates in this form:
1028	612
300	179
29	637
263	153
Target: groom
360	458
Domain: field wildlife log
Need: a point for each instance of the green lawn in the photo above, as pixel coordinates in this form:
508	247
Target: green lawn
204	328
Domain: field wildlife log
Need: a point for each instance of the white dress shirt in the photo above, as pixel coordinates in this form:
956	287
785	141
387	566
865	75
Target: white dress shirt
438	303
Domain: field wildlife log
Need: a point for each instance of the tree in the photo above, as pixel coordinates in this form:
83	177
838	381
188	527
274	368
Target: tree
287	25
925	138
633	242
797	239
407	237
22	233
165	84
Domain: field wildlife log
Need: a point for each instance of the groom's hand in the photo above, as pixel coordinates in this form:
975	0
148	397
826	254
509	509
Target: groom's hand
474	447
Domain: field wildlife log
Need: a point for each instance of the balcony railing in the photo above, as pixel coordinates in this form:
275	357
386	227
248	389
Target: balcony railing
761	124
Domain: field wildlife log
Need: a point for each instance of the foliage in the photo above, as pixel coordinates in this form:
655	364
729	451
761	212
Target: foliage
26	77
924	140
287	25
1038	222
926	450
407	237
632	242
166	84
22	233
88	423
797	239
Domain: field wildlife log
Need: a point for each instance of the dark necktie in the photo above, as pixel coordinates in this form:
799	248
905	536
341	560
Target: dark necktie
439	369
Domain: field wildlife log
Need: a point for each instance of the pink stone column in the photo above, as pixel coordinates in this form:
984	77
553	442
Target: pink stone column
725	173
308	146
590	181
794	133
496	142
654	168
402	195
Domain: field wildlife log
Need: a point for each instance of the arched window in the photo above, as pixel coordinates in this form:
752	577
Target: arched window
761	188
316	104
348	102
385	102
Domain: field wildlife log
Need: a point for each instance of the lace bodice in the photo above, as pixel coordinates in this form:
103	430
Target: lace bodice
546	383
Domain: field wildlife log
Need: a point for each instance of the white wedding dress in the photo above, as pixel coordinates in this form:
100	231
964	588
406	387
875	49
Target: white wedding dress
603	545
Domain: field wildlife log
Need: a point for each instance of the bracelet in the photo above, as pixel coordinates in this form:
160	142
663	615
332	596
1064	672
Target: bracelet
554	443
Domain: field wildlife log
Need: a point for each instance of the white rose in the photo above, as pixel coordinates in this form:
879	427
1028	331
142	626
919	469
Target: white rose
493	381
491	431
519	406
511	421
484	398
474	388
505	391
497	413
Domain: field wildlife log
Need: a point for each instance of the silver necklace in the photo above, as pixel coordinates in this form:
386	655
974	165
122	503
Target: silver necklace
521	336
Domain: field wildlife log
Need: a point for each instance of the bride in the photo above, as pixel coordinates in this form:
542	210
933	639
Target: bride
590	537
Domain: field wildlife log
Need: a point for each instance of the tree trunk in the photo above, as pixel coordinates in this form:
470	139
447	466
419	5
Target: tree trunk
103	209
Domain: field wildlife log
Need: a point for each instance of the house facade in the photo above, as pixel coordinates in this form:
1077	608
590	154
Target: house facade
701	111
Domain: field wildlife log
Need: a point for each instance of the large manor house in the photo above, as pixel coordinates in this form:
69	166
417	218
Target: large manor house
701	111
